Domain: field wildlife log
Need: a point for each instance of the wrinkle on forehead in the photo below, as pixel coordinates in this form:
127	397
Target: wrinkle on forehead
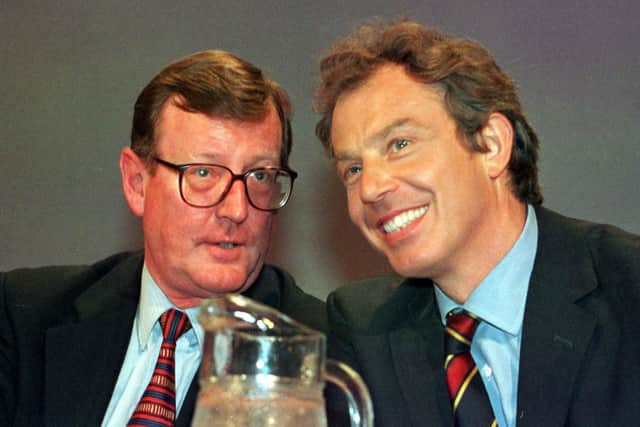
376	111
212	138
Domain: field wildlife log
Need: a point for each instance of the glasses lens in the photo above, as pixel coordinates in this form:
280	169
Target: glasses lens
268	188
203	185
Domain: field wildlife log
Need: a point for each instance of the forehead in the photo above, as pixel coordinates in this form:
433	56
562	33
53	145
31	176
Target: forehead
202	134
390	97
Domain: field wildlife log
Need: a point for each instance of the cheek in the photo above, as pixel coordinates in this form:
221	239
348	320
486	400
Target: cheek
160	198
421	172
168	217
261	228
354	206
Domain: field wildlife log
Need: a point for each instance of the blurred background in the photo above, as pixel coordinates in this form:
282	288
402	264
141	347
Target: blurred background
70	72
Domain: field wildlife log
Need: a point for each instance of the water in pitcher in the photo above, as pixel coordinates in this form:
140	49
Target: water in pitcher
258	402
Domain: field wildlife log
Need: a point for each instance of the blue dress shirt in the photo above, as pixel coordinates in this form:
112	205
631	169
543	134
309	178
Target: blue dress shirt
499	300
142	354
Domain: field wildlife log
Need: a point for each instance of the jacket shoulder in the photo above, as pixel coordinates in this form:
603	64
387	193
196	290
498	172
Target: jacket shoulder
294	301
612	249
615	256
373	303
44	287
603	253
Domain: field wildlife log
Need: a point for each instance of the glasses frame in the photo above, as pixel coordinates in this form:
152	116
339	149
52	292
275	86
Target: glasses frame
234	177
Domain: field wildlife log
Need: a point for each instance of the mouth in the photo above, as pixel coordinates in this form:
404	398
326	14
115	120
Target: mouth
224	251
402	220
227	245
222	244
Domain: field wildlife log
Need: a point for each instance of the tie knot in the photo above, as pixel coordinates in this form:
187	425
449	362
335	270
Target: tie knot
174	323
462	326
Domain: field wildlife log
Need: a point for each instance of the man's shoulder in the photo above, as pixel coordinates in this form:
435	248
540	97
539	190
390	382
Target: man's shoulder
615	255
368	292
597	260
582	227
277	288
612	249
376	303
57	282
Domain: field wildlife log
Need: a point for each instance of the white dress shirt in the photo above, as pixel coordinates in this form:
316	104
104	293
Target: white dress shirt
142	354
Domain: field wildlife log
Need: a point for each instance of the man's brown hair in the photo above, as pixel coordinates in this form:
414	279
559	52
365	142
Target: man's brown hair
215	83
473	84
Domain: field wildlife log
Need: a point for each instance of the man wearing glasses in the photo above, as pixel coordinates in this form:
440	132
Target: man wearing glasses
206	172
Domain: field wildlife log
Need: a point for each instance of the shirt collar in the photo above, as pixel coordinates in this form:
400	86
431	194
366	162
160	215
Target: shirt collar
153	302
500	297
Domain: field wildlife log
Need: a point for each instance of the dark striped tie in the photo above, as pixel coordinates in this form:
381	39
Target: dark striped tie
157	407
471	406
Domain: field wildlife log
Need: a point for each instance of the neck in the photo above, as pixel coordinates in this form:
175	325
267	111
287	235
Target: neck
486	249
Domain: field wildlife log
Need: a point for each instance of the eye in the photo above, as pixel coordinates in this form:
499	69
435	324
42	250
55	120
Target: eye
353	170
350	173
202	172
261	175
398	144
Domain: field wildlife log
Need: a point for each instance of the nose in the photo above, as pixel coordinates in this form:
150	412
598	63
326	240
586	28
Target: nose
235	205
375	182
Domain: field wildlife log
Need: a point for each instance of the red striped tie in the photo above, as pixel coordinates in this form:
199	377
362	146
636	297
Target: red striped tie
471	406
157	407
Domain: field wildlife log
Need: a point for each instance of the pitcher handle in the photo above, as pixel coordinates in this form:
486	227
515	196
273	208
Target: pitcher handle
351	384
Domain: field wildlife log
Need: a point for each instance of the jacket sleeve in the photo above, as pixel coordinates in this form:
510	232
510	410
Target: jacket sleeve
339	348
8	367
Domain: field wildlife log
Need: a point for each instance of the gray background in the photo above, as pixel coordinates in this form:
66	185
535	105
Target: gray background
71	70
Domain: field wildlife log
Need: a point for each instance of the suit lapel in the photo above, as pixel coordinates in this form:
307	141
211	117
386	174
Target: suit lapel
556	331
84	356
188	406
418	356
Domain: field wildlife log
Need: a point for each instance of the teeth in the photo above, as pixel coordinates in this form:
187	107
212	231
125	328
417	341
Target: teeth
405	218
226	245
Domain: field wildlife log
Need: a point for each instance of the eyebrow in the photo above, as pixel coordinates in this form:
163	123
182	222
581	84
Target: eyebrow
215	158
385	131
377	136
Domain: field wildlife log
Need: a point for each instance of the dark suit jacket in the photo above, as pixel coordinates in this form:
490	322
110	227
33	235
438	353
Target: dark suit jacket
580	354
64	333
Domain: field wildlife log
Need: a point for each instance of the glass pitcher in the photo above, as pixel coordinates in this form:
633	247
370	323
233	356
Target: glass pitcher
261	368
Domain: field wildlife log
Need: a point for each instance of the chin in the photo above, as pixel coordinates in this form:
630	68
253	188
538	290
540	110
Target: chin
216	289
219	282
408	269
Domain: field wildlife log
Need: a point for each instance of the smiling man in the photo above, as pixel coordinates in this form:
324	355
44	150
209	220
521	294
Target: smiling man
206	172
504	312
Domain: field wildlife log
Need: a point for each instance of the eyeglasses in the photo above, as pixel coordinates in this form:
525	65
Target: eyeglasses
203	185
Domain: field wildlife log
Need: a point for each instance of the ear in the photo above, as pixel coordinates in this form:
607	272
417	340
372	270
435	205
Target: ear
497	136
133	171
